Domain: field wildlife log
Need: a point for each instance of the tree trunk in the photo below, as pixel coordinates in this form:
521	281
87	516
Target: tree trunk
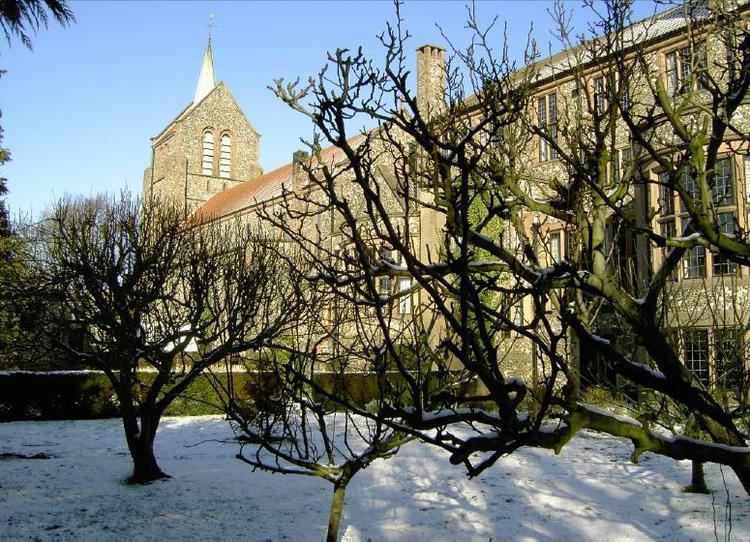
141	446
698	479
574	383
743	474
337	510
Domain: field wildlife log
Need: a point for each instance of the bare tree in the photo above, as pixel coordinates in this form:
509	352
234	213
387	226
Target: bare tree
540	191
299	430
307	392
152	302
710	324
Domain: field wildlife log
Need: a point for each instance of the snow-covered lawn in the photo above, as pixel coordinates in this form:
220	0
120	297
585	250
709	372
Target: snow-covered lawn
590	492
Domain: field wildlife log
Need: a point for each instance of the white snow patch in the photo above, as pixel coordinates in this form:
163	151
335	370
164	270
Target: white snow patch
590	492
603	412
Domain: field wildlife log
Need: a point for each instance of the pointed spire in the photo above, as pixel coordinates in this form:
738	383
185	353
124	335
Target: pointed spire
206	79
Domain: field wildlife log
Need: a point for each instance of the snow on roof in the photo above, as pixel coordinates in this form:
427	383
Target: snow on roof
271	185
650	28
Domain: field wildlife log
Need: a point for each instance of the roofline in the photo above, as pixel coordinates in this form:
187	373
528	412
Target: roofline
648	41
170	123
471	101
187	108
255	202
236	213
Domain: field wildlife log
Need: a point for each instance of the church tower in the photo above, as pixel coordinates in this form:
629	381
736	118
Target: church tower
209	147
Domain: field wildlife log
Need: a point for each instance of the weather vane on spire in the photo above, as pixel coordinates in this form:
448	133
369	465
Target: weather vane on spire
210	25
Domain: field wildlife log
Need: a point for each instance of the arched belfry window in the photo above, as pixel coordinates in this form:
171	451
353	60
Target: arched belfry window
207	156
225	158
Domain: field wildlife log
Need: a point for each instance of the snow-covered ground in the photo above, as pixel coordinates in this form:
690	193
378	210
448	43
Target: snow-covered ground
590	492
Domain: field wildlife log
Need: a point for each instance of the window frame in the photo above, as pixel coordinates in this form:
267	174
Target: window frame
694	263
728	357
721	265
724	173
208	152
600	95
666	197
546	110
405	300
682	67
696	349
689	185
620	159
555	252
385	285
225	157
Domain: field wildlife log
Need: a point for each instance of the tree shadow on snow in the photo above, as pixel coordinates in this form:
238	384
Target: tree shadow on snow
590	491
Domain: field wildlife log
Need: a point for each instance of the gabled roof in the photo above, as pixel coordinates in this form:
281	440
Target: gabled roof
192	106
184	113
206	85
261	189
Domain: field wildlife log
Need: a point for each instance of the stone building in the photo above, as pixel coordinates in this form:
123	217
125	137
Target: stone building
208	148
704	303
207	160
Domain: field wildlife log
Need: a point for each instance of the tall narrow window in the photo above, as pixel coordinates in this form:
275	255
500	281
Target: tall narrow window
207	157
668	230
666	196
404	302
555	247
626	157
727	225
384	286
600	96
547	118
518	310
684	68
747	177
620	161
673	81
695	262
696	353
625	102
667	224
723	190
225	158
728	357
691	187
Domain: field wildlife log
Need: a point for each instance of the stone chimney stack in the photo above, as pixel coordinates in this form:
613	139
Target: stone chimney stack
430	80
299	175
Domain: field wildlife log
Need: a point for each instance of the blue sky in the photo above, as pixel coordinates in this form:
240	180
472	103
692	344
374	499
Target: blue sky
78	110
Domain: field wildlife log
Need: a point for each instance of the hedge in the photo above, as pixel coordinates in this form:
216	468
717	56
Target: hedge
63	395
84	395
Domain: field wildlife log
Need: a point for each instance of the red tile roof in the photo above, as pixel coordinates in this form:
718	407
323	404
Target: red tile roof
263	188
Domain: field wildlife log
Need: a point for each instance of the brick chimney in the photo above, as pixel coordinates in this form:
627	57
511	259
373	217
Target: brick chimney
430	80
